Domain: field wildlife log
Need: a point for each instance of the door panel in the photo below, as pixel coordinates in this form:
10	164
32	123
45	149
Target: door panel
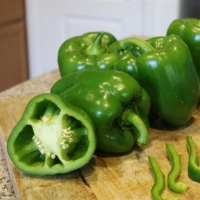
158	14
13	55
72	25
51	22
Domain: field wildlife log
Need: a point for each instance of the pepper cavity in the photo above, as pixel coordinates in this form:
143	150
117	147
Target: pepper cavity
52	137
55	133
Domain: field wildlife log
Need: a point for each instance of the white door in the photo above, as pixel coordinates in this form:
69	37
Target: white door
50	22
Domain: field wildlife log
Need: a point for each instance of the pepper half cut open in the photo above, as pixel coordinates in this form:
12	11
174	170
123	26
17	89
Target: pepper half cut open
52	137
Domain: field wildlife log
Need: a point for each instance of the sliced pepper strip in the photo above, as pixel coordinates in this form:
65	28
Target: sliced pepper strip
52	137
174	157
159	183
193	165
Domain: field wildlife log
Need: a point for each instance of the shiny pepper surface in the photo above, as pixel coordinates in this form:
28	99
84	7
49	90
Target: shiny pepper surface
188	30
115	102
85	52
163	66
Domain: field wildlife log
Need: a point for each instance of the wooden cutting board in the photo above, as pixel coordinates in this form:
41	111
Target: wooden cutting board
104	177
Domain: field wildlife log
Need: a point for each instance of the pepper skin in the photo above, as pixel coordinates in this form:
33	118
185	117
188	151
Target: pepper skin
86	51
193	161
52	137
115	102
188	30
163	66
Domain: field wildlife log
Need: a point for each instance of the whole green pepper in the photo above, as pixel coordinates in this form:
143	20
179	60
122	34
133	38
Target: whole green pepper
188	30
86	51
52	137
163	66
115	102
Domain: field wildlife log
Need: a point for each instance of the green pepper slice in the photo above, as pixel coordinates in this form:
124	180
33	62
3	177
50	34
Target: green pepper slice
174	157
52	137
193	164
159	180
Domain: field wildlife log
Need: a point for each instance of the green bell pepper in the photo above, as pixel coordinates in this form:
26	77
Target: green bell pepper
115	102
163	66
86	51
52	137
188	30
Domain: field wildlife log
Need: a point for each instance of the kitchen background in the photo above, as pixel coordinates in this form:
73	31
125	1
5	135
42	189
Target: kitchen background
31	31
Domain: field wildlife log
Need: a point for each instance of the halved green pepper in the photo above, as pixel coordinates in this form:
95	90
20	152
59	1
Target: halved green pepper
163	66
52	137
188	30
115	102
86	51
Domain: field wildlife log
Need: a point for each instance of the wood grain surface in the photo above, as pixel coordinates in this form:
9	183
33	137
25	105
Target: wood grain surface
105	177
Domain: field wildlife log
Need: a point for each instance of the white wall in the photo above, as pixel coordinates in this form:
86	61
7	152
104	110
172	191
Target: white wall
50	22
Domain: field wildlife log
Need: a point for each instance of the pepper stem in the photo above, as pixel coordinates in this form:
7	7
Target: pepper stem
140	45
129	117
96	48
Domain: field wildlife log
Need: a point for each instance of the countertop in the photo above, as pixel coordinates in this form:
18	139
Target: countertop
34	86
121	177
